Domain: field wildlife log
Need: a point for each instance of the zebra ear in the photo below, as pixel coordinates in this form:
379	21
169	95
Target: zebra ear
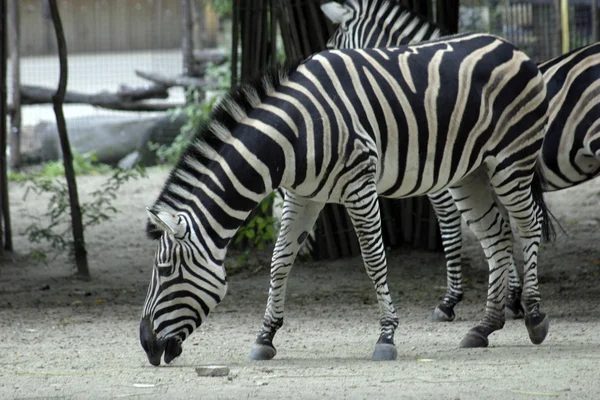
166	222
336	12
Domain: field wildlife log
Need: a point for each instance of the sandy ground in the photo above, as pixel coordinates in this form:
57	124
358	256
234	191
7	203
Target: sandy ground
64	338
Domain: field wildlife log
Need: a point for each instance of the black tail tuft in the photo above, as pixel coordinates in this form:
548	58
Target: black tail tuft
548	230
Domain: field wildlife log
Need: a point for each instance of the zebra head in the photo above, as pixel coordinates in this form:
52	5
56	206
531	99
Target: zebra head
375	23
185	286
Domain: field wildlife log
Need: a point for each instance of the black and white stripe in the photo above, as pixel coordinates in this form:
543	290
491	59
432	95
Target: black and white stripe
345	126
571	149
376	23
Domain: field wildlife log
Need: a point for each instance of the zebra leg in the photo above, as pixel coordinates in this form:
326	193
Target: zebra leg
448	218
297	219
363	209
518	199
474	200
514	309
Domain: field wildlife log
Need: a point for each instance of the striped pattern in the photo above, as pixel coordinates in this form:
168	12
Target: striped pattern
344	127
379	23
571	149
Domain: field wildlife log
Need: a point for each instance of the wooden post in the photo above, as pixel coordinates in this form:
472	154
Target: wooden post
3	175
447	15
15	96
594	20
57	100
187	44
564	25
199	23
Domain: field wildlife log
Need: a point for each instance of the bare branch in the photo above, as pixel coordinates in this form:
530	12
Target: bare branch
58	99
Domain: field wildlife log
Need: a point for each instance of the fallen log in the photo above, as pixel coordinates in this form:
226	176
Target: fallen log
181	81
127	99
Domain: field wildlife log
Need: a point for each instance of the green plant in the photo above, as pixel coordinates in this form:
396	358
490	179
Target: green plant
56	232
83	164
222	7
260	230
196	111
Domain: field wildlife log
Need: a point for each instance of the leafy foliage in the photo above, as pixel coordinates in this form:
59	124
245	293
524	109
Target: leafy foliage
260	229
197	112
56	232
222	7
83	164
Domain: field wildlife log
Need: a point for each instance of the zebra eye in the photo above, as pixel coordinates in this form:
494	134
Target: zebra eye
164	269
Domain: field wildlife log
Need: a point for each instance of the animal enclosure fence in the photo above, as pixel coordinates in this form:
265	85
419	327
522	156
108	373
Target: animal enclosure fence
533	25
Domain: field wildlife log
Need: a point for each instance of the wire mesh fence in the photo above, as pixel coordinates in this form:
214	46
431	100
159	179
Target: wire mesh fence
107	41
533	25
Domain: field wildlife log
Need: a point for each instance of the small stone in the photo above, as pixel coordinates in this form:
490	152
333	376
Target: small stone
212	370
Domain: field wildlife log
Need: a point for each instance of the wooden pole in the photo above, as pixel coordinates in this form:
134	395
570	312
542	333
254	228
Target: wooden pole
187	45
3	175
15	61
594	20
76	218
564	24
199	23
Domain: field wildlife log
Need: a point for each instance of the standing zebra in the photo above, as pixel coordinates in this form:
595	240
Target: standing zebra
344	127
571	149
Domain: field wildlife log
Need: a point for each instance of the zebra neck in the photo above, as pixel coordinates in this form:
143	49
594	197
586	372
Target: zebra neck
216	197
393	24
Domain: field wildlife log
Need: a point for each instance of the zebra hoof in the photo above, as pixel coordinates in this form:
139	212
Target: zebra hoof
261	352
473	339
514	310
537	327
443	313
384	352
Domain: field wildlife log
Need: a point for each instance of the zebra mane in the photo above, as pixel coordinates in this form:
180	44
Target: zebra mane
388	5
212	134
376	7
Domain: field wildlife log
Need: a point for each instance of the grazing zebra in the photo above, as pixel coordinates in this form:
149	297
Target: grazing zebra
571	149
345	126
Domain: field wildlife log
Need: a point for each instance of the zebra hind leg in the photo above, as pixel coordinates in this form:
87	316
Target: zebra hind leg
363	208
482	215
514	309
523	201
297	219
448	218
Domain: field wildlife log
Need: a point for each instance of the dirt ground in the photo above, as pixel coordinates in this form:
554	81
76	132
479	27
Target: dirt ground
65	338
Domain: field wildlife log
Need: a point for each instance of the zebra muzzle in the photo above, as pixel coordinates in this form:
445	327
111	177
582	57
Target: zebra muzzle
154	348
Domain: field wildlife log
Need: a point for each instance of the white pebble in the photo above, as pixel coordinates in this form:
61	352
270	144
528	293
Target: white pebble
212	370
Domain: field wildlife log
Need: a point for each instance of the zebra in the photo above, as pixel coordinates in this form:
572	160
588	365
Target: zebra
396	25
571	149
345	126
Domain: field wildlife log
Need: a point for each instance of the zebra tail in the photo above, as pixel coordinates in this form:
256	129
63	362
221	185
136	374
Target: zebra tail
548	229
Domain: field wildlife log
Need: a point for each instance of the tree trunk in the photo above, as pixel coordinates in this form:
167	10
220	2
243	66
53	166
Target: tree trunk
447	16
15	60
594	20
3	177
76	220
187	44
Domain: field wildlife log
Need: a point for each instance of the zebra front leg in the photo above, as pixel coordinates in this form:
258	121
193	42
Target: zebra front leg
297	219
449	220
474	200
363	208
